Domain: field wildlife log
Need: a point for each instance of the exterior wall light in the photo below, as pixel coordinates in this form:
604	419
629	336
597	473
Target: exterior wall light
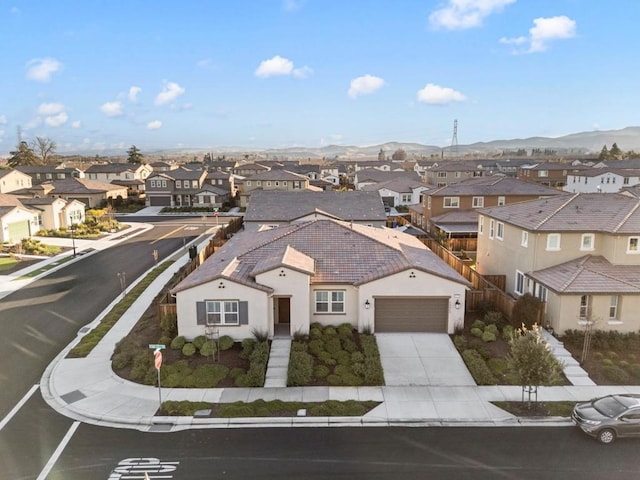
367	305
457	304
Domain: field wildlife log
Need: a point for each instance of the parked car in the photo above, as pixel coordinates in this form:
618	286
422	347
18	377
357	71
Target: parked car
610	417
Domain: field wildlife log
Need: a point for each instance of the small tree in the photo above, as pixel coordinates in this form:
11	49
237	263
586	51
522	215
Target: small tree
532	361
526	310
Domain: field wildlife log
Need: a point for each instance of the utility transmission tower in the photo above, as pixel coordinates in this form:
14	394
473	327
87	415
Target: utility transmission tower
454	139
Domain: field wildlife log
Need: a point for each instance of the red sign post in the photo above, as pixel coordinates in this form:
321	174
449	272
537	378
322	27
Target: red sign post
157	357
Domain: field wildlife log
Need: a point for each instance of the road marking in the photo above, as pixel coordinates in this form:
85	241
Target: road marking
167	234
54	458
18	406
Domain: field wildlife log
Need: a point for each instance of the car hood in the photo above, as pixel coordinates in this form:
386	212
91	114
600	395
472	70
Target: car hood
587	411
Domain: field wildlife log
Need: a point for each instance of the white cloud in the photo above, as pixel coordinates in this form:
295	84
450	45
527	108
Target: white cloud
76	124
156	124
133	93
364	85
3	119
57	120
41	69
112	109
544	31
50	108
302	72
274	66
463	14
436	95
292	5
170	92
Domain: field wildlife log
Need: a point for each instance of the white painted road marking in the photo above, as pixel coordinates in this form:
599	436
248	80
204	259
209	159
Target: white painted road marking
54	458
18	406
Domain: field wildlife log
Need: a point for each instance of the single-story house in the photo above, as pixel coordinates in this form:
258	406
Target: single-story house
325	271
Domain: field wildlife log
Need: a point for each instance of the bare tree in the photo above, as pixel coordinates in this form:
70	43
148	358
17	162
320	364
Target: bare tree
45	148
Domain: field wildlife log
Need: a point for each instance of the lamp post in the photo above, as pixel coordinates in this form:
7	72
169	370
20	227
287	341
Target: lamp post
73	240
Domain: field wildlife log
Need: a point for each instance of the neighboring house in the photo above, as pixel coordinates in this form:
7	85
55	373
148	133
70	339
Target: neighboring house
12	180
451	211
17	221
448	172
274	209
223	180
47	173
210	196
91	193
161	166
372	176
54	213
601	180
248	169
281	180
548	173
579	253
108	172
324	271
399	191
175	188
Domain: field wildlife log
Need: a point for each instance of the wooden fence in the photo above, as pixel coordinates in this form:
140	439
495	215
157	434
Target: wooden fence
486	290
167	304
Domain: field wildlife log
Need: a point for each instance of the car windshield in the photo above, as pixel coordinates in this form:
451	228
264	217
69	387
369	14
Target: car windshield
609	406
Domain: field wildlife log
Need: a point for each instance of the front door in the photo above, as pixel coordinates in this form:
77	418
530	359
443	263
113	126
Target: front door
284	310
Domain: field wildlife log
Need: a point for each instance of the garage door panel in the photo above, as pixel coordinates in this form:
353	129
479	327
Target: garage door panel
411	314
155	201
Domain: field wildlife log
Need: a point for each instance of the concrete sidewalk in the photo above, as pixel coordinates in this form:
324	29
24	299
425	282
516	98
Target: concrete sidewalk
87	390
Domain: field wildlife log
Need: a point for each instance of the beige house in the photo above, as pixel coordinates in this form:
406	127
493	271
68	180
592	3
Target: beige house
283	279
12	180
579	253
17	221
55	212
280	180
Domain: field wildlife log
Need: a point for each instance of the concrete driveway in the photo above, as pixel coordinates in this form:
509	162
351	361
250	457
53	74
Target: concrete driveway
421	359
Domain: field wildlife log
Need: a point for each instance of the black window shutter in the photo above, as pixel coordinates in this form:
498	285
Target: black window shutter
243	311
201	313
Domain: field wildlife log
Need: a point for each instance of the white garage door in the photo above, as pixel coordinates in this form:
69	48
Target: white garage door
424	314
17	231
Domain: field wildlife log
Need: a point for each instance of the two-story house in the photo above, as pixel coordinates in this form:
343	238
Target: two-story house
372	176
601	180
13	179
578	253
548	173
282	180
175	188
47	173
451	211
129	175
399	191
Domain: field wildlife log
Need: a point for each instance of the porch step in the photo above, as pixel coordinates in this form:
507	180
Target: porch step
277	367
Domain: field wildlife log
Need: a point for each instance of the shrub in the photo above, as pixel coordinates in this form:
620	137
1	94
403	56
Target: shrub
476	332
329	331
607	362
316	346
342	357
478	368
300	369
342	370
333	345
169	325
248	344
166	341
498	366
208	348
494	318
121	360
315	333
349	345
298	336
507	332
352	380
199	341
141	365
616	374
261	336
478	324
225	342
357	357
235	373
208	376
612	354
488	337
174	408
188	349
492	328
598	355
460	342
635	370
178	342
299	346
334	379
483	351
326	358
345	330
321	371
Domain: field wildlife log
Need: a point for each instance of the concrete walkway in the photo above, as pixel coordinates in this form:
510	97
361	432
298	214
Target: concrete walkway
87	390
276	376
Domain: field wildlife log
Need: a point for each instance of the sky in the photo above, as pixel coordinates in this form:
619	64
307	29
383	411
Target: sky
101	75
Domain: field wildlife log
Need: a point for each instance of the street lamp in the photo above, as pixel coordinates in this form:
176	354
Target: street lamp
73	240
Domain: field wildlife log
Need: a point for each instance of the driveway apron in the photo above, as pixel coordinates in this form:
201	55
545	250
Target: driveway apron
421	359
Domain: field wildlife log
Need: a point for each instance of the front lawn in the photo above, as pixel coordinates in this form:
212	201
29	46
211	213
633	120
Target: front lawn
334	356
613	357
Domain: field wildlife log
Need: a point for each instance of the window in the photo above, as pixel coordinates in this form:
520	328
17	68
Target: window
442	174
296	185
524	241
259	183
222	312
632	246
584	307
277	183
451	202
328	301
613	308
268	183
625	181
194	183
543	173
406	198
456	175
519	288
428	203
480	224
500	231
178	183
164	184
587	241
541	293
492	227
152	183
248	183
477	202
284	183
553	241
501	200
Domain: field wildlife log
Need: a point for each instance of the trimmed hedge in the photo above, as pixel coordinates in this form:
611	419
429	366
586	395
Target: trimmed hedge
478	368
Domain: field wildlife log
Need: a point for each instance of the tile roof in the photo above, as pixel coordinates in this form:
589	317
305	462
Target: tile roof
586	212
375	175
589	275
494	185
278	174
275	206
399	185
113	168
341	252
